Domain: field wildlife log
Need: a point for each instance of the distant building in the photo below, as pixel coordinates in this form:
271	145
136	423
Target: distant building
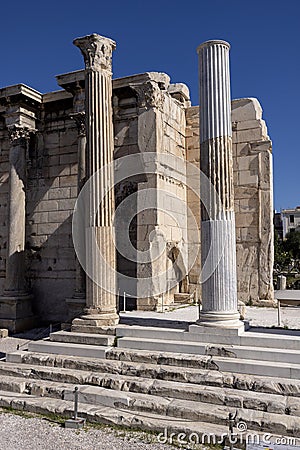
278	224
290	220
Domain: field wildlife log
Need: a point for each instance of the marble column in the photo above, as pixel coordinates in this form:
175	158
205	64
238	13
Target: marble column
101	305
219	279
77	303
16	302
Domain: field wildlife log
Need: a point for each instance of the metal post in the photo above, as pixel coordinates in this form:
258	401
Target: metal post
118	302
279	313
198	302
50	328
76	403
162	302
124	303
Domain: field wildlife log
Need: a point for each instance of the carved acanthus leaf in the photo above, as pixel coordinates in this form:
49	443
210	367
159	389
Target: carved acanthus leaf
149	95
97	51
17	132
79	118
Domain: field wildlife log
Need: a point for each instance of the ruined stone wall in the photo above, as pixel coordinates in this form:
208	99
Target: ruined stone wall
172	219
253	179
253	187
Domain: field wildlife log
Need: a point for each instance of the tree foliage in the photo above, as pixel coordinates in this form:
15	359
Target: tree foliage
282	258
292	244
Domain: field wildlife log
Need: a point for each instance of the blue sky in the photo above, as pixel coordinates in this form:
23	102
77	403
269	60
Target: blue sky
36	45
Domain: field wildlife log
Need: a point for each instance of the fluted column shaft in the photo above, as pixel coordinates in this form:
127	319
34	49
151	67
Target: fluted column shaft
219	290
97	52
79	117
15	264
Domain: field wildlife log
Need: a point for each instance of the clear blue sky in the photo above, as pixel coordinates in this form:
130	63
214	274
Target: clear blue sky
36	38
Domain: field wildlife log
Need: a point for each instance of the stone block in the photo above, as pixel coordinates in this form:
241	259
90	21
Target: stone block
246	163
68	158
251	135
65	204
249	235
47	228
59	193
245	109
249	205
60	348
47	205
246	178
67	181
246	220
51	140
39	217
58	216
248	124
59	171
3	333
266	170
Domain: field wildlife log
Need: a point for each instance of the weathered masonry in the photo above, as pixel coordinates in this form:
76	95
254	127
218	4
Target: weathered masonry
44	164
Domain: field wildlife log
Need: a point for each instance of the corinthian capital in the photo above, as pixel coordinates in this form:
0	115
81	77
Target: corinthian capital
17	132
149	95
96	50
79	118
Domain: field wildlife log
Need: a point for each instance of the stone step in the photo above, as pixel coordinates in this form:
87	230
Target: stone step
62	348
60	384
136	366
82	338
231	351
255	337
169	407
229	363
213	433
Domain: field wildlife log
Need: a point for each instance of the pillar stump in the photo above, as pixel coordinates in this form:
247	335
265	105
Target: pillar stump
101	307
16	302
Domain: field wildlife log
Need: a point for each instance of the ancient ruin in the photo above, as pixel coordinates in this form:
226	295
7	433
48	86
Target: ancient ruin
44	165
116	195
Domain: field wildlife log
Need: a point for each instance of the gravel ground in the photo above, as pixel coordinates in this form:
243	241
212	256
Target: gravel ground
19	433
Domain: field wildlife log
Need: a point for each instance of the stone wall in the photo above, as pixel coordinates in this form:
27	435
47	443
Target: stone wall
51	196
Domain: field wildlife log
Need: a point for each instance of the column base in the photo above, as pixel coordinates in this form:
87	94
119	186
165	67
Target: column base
230	320
101	323
16	312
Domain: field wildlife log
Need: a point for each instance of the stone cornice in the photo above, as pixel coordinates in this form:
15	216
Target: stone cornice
97	51
70	80
18	90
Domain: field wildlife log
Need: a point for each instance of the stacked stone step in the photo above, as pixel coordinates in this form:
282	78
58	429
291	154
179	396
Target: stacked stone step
183	298
150	389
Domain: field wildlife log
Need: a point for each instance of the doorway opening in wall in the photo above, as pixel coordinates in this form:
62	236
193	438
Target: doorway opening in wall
126	266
